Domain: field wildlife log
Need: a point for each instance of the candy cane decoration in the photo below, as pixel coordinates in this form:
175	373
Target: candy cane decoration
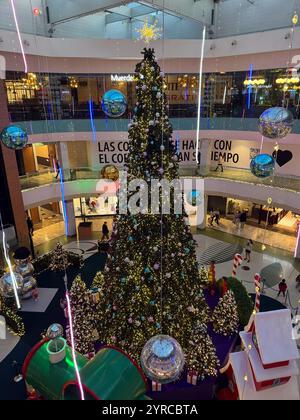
236	263
257	282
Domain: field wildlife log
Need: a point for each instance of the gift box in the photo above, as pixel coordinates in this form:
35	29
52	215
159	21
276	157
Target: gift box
156	387
192	377
95	295
90	355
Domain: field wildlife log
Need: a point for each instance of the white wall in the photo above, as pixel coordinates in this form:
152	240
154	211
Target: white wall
28	23
289	200
240	16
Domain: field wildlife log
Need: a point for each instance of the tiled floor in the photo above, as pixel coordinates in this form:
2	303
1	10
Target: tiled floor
267	237
57	230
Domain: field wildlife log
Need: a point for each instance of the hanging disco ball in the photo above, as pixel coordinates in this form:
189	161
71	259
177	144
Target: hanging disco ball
14	137
276	123
262	166
162	359
6	285
114	103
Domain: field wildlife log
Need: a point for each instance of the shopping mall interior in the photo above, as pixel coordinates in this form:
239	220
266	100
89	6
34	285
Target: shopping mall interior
149	200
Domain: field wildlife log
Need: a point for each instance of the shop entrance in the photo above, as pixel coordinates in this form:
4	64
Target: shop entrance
269	225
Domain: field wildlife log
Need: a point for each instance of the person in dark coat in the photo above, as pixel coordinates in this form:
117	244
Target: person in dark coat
30	225
243	219
105	232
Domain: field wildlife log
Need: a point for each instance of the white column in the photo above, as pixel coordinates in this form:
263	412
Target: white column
297	249
70	223
202	225
63	155
205	151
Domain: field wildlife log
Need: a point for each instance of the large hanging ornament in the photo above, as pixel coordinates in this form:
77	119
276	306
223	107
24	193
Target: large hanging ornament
194	198
24	267
276	123
162	359
114	103
262	166
14	137
6	285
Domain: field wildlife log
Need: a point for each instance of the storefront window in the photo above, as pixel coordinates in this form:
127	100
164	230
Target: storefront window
54	96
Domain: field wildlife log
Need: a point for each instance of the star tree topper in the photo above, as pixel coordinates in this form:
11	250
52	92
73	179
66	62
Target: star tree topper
149	32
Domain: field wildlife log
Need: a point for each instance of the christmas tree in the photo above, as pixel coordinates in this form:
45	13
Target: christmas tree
225	317
60	259
204	279
151	279
83	316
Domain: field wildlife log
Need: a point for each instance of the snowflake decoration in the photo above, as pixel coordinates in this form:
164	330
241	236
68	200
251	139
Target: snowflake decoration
149	32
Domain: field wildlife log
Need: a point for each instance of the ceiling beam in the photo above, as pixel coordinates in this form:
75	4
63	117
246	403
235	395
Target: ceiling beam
91	12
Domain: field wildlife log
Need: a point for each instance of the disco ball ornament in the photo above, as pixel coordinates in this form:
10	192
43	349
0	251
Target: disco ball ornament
276	123
194	198
6	285
262	166
114	103
55	331
14	137
162	359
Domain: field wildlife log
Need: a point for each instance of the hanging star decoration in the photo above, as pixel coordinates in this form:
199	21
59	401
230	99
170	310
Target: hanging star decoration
149	32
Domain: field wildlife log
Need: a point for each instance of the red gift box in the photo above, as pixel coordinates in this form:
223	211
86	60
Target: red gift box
192	377
156	387
90	355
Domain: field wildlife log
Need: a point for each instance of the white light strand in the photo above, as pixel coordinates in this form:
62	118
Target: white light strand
200	93
19	35
73	347
12	275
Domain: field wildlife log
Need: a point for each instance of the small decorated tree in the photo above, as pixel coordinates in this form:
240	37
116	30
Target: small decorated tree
13	320
225	317
202	345
204	280
61	259
82	310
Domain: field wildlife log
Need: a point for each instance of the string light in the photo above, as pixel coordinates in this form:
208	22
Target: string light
19	35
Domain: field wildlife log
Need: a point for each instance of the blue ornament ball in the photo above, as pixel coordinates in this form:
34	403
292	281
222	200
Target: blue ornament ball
276	123
262	166
14	137
194	198
114	103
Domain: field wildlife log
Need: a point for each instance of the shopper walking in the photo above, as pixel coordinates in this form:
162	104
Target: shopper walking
105	232
57	168
237	219
248	250
243	219
30	225
282	288
220	164
217	216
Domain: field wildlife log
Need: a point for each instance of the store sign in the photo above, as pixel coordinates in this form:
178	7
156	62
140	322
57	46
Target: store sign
115	152
222	149
121	78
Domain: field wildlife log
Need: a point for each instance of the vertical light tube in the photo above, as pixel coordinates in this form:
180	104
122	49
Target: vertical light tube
73	347
12	275
200	93
19	35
